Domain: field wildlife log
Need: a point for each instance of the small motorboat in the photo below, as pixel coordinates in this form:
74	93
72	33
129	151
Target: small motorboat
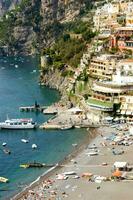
24	140
93	153
75	145
6	151
4	144
67	127
34	146
69	173
4	180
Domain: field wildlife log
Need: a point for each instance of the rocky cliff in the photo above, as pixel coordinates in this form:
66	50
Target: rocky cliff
6	5
35	24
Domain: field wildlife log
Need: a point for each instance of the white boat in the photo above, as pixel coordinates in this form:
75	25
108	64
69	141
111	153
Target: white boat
93	153
69	173
24	140
18	124
3	180
75	144
16	66
4	144
66	127
34	146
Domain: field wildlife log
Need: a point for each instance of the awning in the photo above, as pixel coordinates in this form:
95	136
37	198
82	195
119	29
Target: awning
120	164
109	118
122	118
123	112
128	112
116	119
117	173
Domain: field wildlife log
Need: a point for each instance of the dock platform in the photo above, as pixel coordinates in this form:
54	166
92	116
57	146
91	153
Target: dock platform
32	108
34	164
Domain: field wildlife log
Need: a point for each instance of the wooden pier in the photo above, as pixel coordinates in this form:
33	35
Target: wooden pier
35	164
32	108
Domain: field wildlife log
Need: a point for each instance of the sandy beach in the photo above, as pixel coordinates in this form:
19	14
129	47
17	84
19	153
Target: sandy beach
79	185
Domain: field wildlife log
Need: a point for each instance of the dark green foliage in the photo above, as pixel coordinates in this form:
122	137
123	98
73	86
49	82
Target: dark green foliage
67	73
52	30
77	27
114	50
88	35
83	76
66	37
14	18
70	51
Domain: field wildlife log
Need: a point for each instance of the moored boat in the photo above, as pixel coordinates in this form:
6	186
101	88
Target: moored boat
4	144
24	140
4	180
66	127
18	124
34	146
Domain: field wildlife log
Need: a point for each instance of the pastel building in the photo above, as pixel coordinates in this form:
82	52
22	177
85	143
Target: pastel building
126	108
126	67
102	66
107	93
122	38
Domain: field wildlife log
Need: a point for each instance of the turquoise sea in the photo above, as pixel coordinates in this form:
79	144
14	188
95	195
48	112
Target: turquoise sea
19	87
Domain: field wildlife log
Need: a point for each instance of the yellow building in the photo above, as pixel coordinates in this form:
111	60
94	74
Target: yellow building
129	19
102	67
126	108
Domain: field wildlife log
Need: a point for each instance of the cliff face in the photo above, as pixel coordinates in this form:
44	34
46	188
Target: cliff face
39	23
60	9
6	5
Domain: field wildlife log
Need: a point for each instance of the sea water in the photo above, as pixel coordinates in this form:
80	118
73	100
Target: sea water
19	87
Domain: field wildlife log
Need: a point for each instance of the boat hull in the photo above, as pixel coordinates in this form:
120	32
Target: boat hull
3	126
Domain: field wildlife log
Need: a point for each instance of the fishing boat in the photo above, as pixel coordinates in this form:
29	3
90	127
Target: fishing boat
18	124
3	179
24	140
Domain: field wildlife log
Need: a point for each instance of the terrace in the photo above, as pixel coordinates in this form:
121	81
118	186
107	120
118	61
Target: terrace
101	105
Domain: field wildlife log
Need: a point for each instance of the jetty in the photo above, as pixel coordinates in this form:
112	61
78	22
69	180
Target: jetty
56	126
32	108
67	120
36	164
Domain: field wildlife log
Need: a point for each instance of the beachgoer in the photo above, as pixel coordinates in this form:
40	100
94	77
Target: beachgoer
98	187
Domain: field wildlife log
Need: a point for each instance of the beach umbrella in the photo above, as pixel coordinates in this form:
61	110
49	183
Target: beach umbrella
117	173
117	119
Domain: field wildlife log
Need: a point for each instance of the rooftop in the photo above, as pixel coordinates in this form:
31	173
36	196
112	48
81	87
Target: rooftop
124	28
126	61
104	57
92	101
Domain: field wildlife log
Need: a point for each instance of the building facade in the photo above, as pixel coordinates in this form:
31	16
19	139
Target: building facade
102	67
